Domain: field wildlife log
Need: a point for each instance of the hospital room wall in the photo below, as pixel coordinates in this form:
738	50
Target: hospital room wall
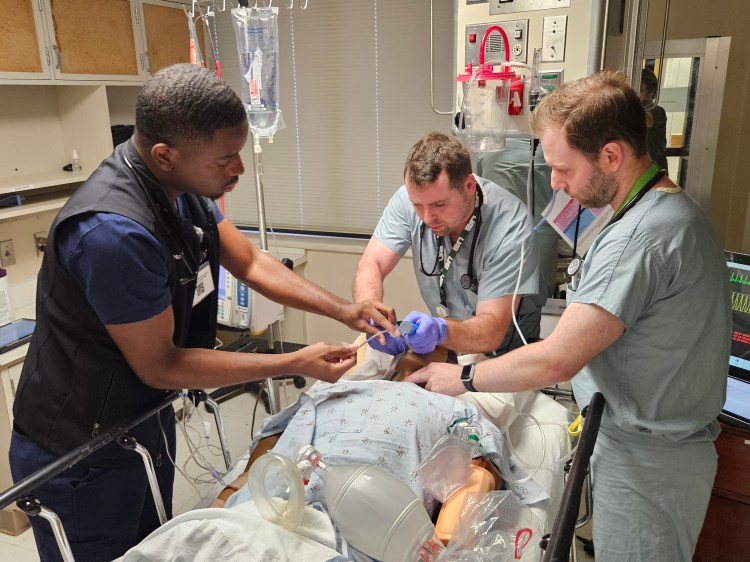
331	263
22	274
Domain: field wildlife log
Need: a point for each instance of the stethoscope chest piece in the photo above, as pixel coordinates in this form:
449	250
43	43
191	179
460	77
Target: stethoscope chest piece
466	281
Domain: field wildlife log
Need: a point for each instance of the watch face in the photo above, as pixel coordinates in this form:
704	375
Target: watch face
467	373
574	266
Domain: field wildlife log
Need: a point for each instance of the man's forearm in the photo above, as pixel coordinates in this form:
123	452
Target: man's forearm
368	283
479	334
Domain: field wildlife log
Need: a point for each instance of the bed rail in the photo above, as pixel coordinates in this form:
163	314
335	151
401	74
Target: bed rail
22	492
557	547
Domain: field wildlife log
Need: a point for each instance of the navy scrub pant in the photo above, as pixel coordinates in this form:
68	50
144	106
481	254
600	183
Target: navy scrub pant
104	511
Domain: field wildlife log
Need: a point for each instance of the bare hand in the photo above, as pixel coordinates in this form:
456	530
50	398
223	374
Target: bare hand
357	316
444	378
325	362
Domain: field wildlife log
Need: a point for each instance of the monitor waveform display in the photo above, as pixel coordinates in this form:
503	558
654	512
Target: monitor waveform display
735	277
740	302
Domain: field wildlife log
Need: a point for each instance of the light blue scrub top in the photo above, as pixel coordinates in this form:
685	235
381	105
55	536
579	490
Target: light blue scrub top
661	271
509	169
497	257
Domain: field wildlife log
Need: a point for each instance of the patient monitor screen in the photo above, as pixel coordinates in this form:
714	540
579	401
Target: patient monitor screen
738	382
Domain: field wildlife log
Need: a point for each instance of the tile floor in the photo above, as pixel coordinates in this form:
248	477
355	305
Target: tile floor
237	419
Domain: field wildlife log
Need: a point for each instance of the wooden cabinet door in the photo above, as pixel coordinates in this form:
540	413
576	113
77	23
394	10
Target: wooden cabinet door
23	53
167	38
96	39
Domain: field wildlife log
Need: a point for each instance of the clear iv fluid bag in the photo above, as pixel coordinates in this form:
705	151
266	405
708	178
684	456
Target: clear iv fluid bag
377	513
256	30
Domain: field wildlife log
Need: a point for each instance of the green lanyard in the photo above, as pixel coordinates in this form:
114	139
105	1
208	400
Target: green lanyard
645	181
445	264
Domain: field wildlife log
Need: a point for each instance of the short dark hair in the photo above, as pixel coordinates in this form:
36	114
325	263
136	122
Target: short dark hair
435	153
593	111
185	102
649	79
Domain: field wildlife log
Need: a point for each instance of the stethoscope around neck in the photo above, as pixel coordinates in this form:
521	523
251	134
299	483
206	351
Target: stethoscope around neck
468	280
651	176
167	220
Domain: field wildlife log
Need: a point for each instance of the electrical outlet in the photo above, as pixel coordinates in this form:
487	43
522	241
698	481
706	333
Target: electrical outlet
40	242
7	253
553	38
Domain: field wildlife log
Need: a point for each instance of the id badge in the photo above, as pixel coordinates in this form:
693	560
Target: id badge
204	283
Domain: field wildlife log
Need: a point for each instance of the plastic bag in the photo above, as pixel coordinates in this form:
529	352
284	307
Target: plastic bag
258	47
446	468
494	527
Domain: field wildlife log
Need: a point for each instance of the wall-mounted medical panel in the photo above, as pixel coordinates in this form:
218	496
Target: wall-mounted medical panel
517	32
512	6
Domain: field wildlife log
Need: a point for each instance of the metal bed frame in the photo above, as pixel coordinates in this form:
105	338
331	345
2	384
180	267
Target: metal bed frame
23	492
556	546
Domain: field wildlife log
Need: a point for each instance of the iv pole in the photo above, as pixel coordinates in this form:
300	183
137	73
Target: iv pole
271	386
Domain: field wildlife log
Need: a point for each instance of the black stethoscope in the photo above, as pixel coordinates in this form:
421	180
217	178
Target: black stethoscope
440	266
167	218
643	184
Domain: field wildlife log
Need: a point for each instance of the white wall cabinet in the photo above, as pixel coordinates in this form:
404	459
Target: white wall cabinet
23	47
69	70
111	41
95	39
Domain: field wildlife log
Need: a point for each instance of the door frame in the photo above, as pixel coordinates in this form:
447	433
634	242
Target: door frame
704	135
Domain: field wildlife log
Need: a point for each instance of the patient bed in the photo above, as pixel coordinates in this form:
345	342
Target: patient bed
238	532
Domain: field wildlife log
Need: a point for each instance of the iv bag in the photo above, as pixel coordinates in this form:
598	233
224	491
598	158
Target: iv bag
256	30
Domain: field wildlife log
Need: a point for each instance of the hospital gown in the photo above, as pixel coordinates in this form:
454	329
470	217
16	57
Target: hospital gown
386	424
661	271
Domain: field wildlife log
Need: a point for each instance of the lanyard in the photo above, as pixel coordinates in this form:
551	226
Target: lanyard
643	184
645	181
445	264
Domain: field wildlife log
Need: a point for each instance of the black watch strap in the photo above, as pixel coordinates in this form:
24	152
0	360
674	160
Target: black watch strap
467	377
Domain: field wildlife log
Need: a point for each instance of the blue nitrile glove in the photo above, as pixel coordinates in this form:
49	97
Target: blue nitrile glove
431	331
392	346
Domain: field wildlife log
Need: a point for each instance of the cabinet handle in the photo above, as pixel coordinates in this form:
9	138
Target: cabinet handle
46	52
58	56
12	388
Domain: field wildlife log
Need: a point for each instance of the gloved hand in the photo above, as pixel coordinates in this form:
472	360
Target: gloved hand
392	346
431	331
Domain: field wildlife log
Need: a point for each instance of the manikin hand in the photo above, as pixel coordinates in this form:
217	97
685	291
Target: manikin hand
431	331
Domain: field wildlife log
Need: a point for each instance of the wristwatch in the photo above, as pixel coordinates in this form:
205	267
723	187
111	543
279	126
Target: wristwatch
467	377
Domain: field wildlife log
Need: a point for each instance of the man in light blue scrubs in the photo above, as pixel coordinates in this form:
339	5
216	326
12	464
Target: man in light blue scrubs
469	238
647	325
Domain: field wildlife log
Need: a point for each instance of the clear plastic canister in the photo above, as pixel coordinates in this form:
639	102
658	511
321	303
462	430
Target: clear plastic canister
486	95
376	512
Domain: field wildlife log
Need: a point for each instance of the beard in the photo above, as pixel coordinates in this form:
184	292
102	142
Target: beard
599	190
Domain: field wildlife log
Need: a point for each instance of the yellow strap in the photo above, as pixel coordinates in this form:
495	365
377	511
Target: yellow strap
575	428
